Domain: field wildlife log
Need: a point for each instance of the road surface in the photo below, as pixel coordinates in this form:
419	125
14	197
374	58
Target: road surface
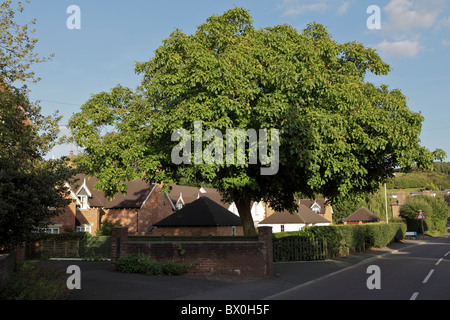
421	272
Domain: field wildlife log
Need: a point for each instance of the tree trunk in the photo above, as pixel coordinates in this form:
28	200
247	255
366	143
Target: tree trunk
243	206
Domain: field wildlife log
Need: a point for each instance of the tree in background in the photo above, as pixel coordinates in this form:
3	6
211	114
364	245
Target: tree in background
375	202
29	186
435	210
339	135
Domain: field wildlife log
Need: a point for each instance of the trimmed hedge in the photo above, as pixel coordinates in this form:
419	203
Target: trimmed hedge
345	239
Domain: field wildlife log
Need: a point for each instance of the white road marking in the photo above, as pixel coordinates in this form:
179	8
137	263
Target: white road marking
446	254
439	261
414	296
428	276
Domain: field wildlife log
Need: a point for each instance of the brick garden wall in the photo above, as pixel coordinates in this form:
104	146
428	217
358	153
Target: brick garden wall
242	259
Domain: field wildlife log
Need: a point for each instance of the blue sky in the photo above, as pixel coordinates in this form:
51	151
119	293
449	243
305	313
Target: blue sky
414	38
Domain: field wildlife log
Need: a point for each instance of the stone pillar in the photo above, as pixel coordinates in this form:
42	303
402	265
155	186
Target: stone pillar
119	243
265	236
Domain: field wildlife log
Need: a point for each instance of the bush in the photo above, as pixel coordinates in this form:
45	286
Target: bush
143	264
30	282
343	239
435	210
106	227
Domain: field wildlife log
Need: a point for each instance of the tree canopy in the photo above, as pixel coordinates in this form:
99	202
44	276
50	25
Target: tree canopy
338	134
29	186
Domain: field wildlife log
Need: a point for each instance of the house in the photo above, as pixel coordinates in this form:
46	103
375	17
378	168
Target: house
319	206
286	221
180	196
202	217
362	215
139	208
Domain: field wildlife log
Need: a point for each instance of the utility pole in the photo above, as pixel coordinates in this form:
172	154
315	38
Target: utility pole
385	199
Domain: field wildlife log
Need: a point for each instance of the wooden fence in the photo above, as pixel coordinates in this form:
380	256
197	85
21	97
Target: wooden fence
90	247
299	249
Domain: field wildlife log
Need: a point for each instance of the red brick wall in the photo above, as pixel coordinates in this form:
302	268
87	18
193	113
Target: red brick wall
242	259
155	209
127	217
91	217
66	217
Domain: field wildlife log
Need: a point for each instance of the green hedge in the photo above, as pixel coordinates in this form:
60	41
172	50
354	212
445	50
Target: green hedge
345	239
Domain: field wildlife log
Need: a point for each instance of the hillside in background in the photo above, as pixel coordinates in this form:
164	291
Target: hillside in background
432	180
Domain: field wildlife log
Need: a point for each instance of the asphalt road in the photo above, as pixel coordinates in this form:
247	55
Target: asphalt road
419	272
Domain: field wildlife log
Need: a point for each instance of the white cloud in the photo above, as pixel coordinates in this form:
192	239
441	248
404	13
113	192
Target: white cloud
399	49
298	7
295	7
407	15
343	7
445	43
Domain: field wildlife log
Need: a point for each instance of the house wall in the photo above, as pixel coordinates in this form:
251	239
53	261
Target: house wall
287	227
242	259
66	218
127	217
156	208
328	213
196	231
91	217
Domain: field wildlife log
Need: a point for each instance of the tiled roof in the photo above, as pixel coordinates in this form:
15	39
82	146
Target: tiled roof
137	193
201	212
303	215
362	214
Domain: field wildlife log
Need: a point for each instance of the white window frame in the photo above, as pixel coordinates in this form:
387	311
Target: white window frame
51	230
84	202
84	228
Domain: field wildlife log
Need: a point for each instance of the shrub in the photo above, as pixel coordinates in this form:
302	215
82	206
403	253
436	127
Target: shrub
342	239
30	282
106	227
435	210
143	264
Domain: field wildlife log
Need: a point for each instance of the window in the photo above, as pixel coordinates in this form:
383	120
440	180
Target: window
84	228
51	230
233	230
282	228
84	202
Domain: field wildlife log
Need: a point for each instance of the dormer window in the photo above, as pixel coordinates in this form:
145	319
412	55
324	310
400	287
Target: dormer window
84	202
315	207
180	202
83	196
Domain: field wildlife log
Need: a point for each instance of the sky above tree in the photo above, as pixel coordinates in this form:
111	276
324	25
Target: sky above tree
414	38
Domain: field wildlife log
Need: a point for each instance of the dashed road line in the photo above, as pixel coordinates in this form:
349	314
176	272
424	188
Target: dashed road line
414	296
428	276
439	261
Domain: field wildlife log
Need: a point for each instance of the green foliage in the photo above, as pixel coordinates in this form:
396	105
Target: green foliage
432	180
343	239
435	209
17	45
143	264
375	202
29	186
339	134
106	227
30	282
